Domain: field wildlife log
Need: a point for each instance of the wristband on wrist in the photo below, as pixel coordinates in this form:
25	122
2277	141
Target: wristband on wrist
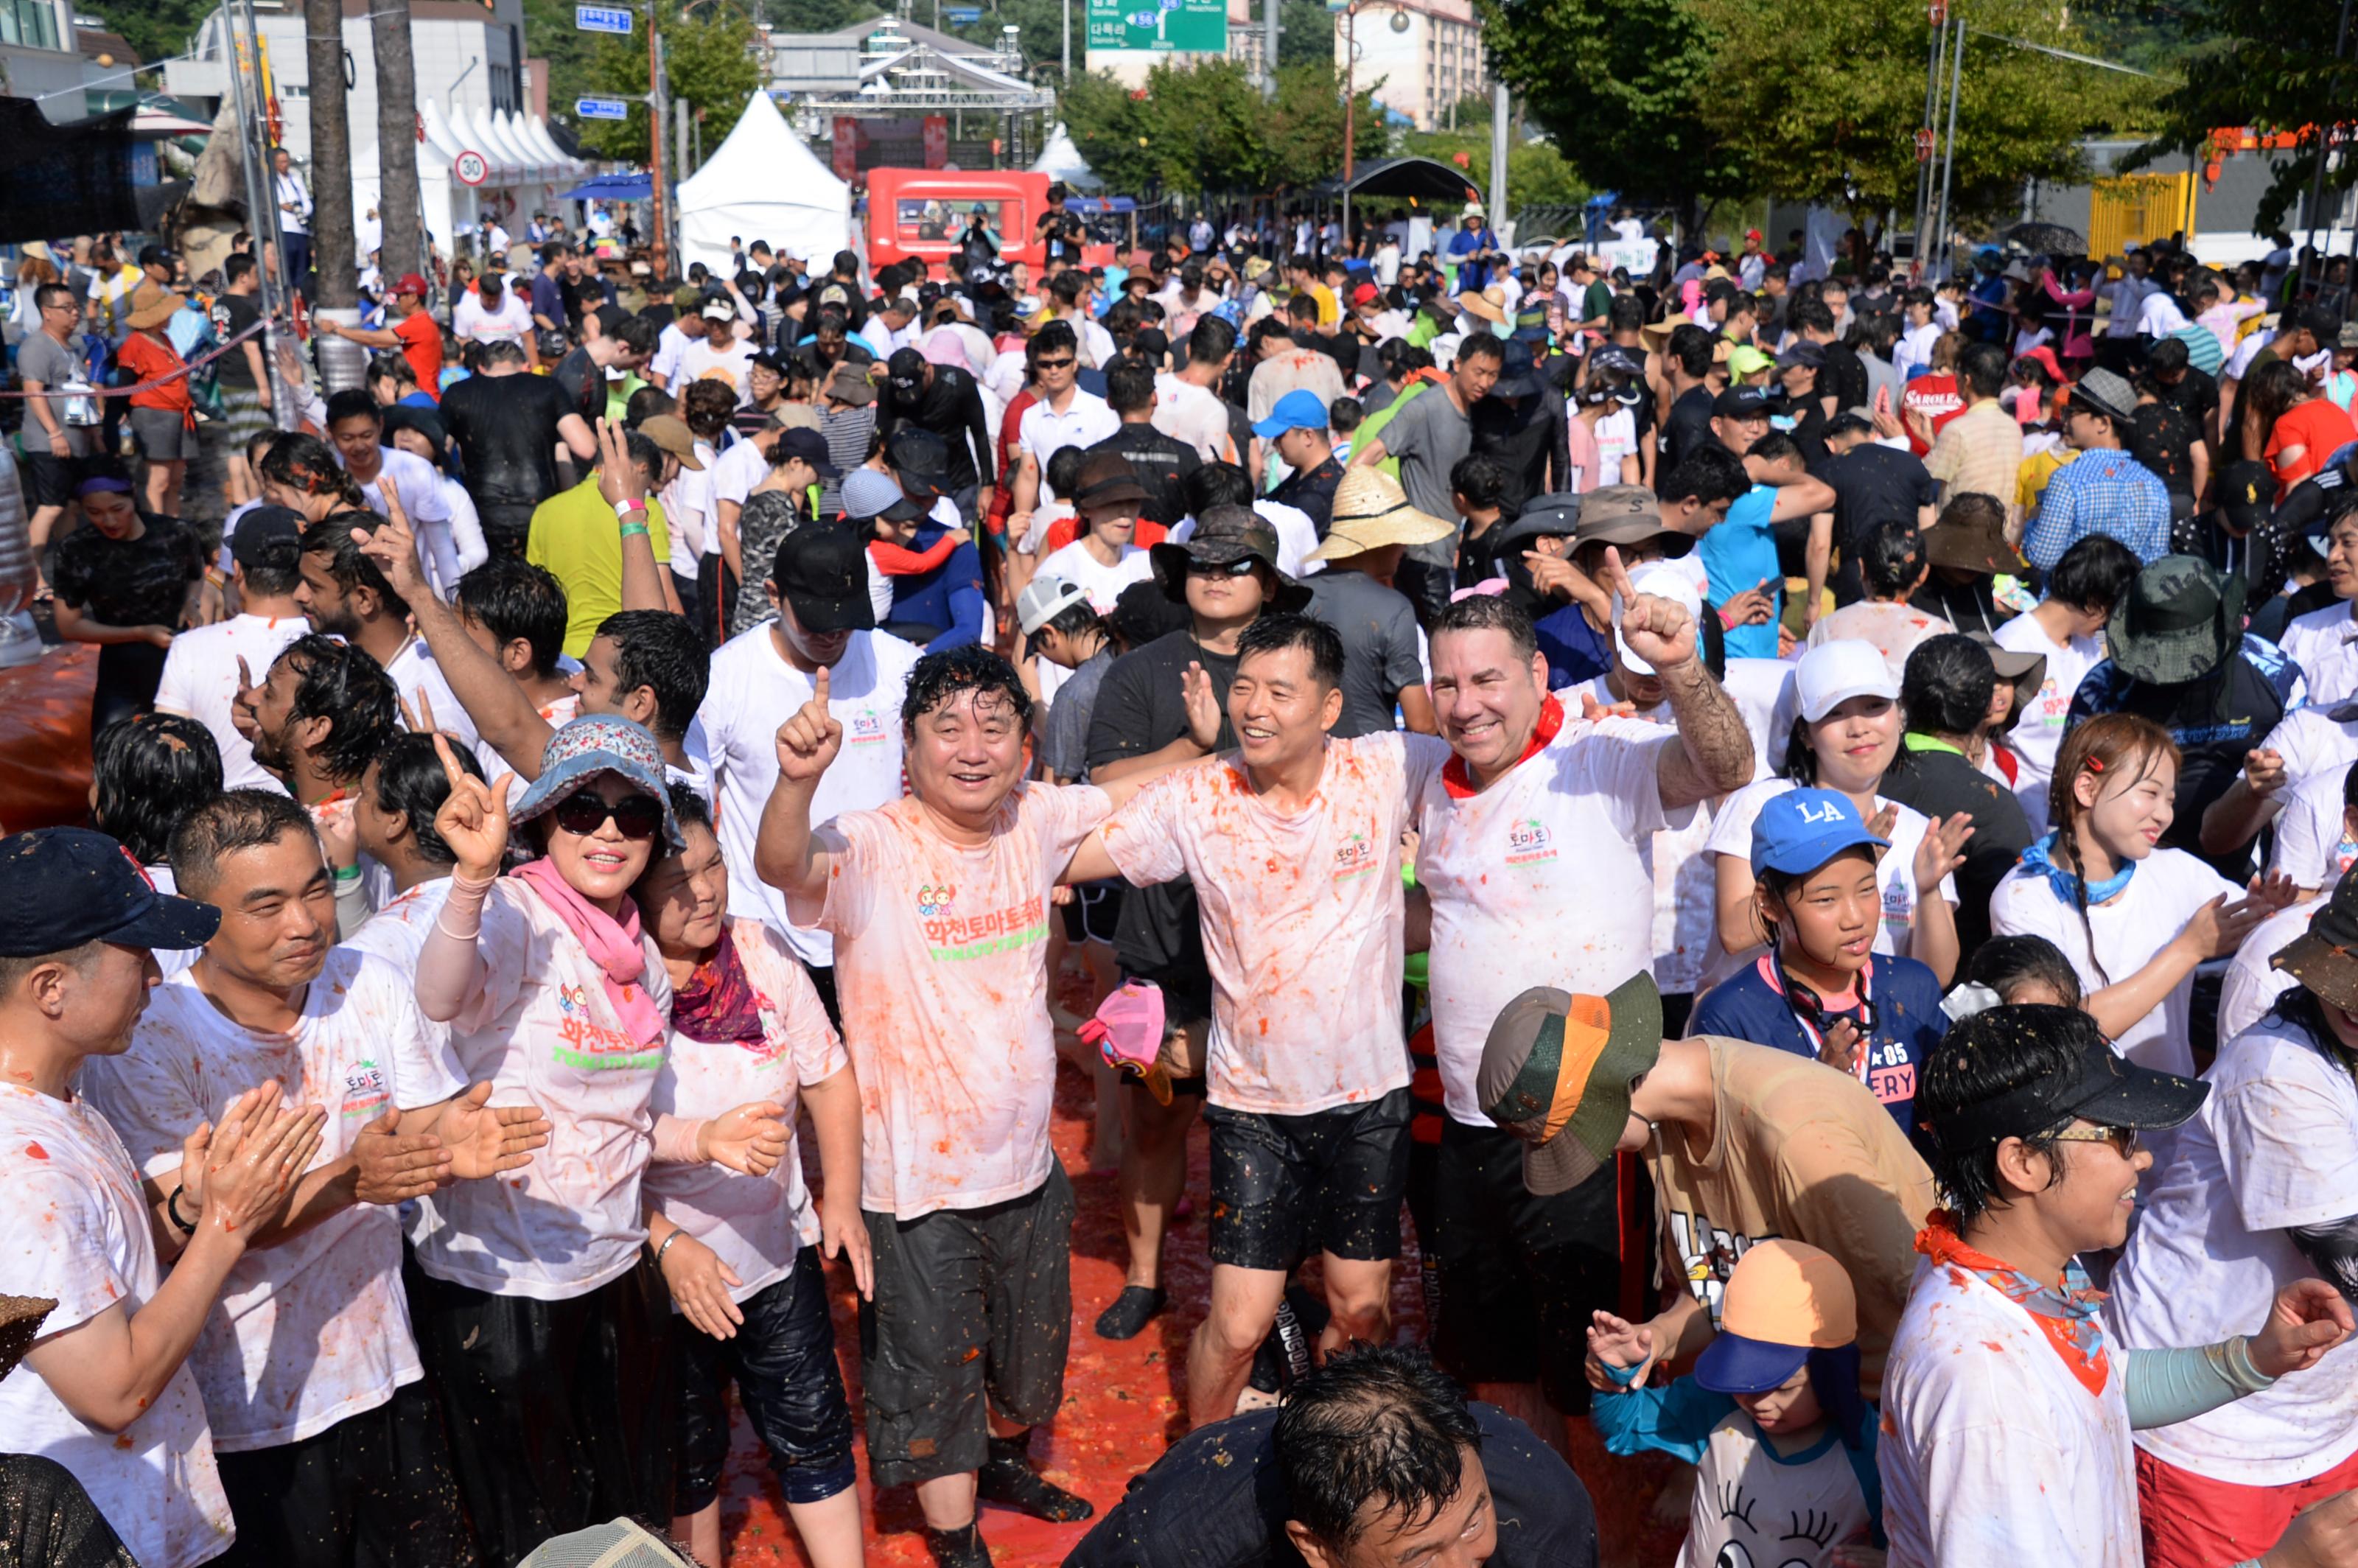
634	530
624	508
347	874
668	1240
172	1208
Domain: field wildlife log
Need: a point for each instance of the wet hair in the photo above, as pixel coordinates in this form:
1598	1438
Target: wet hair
1345	415
939	678
689	808
1218	484
2002	963
1481	479
646	404
1130	386
660	651
1982	1057
707	407
1484	346
1055	336
635	333
1774	447
1710	473
1947	684
1275	633
1213	341
341	682
332	537
1689	349
1488	612
304	463
1064	469
504	351
352	402
410	780
1890	558
150	771
1375	1431
225	825
2093	574
511	599
2107	746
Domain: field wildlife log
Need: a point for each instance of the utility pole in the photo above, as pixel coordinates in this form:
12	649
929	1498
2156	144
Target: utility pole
1269	47
1949	156
1938	13
2324	150
398	204
656	117
261	201
1499	146
1350	108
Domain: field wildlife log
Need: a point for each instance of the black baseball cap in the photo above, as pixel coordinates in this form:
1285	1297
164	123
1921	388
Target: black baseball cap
920	460
1743	402
906	368
2095	1083
270	537
802	441
62	887
822	572
1802	352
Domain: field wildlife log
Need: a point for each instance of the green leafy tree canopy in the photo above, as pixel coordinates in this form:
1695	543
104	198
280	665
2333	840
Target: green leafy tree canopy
1205	127
713	60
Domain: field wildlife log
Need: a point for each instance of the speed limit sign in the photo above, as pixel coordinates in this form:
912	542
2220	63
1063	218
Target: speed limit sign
471	168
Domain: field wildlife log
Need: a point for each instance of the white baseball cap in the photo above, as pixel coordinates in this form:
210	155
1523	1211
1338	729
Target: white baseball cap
1660	579
1044	598
1832	672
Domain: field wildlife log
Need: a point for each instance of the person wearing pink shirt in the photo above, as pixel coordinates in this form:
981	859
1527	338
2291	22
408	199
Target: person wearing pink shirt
939	905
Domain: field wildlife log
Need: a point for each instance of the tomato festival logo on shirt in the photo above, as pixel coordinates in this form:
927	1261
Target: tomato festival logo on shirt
955	937
935	902
591	1046
1356	856
364	1089
867	728
1528	842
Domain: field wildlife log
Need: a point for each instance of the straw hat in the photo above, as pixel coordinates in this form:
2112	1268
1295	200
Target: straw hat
20	1325
151	306
1655	336
1491	304
1372	510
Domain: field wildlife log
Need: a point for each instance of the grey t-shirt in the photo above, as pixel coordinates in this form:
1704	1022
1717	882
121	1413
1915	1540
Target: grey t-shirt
43	359
1428	436
1380	653
1064	748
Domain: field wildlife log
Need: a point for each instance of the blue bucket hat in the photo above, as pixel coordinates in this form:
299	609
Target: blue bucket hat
587	747
1801	830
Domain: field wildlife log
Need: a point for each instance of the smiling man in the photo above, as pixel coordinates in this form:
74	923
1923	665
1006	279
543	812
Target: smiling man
1376	1462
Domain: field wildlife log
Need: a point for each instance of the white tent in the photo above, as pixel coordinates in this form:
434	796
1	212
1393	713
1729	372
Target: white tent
1060	159
761	183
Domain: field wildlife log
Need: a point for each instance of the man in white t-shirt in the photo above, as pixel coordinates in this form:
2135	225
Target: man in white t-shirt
1186	405
718	354
495	313
200	672
270	1001
1063	415
356	430
2006	1418
2067	629
1529	856
762	676
106	1392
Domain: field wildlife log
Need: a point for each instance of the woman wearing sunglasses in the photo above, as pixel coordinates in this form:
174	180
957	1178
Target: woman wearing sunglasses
538	1302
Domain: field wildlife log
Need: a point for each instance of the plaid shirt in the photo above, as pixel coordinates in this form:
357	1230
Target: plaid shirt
1979	450
2100	491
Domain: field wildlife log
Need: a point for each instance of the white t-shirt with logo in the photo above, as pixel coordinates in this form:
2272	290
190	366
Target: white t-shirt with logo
1895	874
201	681
1993	1451
731	366
1539	880
76	1228
2275	1146
510	323
334	1290
2128	931
1302	918
2037	734
753	690
541	1029
756	1224
1617	437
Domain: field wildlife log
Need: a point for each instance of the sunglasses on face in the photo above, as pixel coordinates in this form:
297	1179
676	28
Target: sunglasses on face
2124	1140
1242	566
636	816
1053	364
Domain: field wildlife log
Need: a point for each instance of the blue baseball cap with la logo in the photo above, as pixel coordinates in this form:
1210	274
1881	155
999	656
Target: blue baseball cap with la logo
1801	830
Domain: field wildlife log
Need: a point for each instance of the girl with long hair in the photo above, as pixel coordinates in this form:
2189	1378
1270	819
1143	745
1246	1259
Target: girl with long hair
300	472
2135	919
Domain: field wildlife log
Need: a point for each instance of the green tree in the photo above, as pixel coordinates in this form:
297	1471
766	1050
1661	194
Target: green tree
711	60
2273	71
1538	174
1829	99
1306	32
156	29
1205	127
1621	86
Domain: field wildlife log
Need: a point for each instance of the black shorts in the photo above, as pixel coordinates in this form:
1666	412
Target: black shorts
1515	1277
1332	1180
49	480
783	1362
375	1487
971	1304
1095	911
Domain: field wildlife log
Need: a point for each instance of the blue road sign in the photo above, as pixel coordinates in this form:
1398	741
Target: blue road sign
603	18
602	108
962	16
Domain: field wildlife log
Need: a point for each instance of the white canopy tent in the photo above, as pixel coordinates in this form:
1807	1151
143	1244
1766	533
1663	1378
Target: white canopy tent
762	183
1060	159
526	170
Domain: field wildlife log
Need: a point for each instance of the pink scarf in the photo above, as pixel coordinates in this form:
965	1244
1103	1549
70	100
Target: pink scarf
614	945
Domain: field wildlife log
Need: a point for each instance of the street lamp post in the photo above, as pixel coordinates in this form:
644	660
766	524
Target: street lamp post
1350	110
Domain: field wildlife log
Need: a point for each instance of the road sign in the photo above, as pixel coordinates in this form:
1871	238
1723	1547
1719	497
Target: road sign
962	16
602	108
602	19
471	168
1162	27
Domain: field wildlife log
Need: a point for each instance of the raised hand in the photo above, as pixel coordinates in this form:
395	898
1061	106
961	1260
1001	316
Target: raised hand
393	547
248	1186
1593	711
1841	1050
700	1283
1550	574
1881	823
243	714
1203	715
810	738
620	480
2264	770
1657	630
394	1166
1941	850
2275	891
2218	928
486	1139
211	1141
2307	1318
750	1140
1753	607
473	821
1616	1342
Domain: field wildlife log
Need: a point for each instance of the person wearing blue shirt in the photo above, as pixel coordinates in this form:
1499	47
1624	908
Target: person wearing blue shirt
1475	247
2103	490
1740	551
1821	991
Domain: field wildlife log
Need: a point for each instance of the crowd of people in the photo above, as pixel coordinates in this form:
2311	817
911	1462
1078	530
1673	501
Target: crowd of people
1795	826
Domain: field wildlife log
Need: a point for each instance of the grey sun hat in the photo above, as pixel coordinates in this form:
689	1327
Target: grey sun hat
600	743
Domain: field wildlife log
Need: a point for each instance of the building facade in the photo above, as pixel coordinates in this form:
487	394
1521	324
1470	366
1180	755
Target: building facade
1421	56
40	59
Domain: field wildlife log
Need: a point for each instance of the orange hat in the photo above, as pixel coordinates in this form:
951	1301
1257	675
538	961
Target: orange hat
1784	1299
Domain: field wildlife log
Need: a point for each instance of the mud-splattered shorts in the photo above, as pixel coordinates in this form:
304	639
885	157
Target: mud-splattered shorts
971	1304
1333	1181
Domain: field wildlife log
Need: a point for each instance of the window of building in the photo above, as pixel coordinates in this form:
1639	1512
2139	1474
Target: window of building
31	23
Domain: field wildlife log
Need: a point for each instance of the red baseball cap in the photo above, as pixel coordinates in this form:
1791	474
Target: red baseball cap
1366	294
410	283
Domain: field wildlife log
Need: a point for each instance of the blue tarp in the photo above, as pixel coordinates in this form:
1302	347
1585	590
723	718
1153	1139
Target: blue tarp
612	187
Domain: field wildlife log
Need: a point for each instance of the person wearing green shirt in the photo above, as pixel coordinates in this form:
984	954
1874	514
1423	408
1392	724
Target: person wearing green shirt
573	535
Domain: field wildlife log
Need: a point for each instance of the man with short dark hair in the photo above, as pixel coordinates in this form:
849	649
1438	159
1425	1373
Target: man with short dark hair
53	451
1161	462
1980	450
200	671
1297	427
1428	436
1375	1459
2103	490
1872	484
574	534
582	373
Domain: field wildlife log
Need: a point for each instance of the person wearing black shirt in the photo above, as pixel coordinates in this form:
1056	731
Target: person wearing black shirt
1163	463
831	344
1523	424
946	401
126	582
2161	440
1374	1446
507	425
1872	484
839	292
1686	361
1298	426
582	373
1946	692
1059	229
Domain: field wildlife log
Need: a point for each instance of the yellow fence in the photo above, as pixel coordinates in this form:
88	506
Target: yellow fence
2132	208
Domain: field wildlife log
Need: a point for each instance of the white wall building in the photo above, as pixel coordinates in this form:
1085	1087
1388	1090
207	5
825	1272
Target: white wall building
39	57
1427	54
